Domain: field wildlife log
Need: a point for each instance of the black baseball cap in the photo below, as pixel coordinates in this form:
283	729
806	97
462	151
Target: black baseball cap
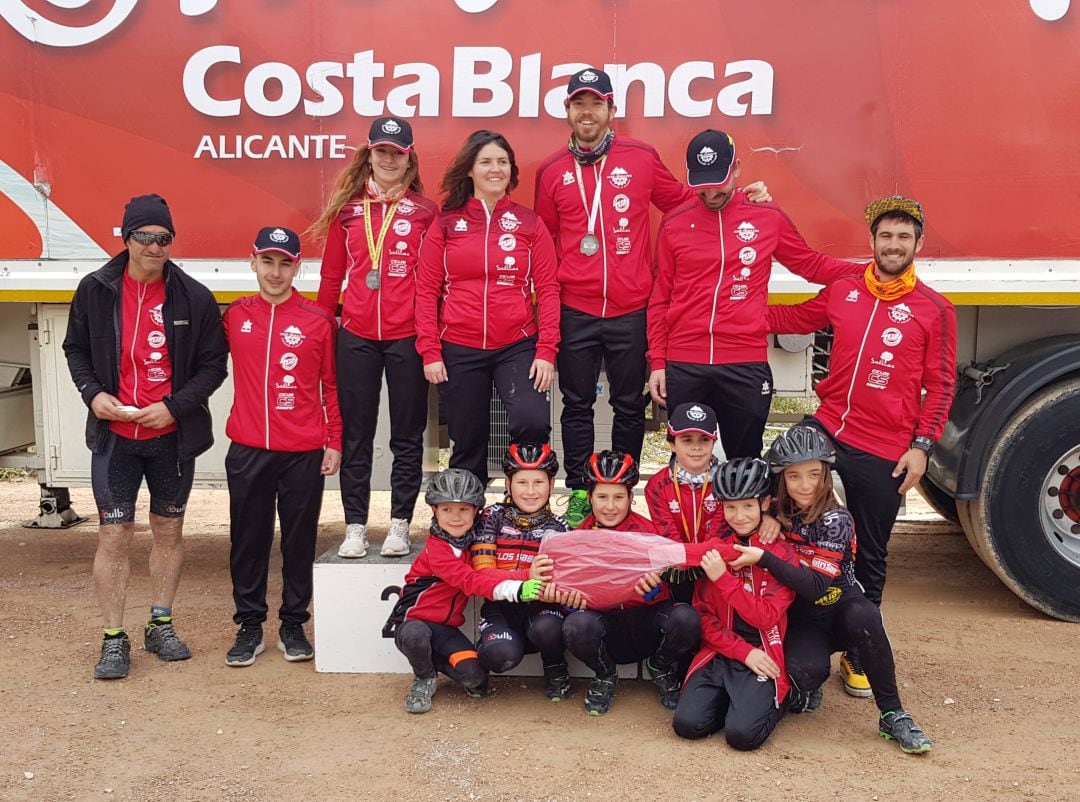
392	131
710	158
589	80
693	417
276	238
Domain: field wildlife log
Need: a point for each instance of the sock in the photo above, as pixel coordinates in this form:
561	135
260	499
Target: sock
160	614
115	633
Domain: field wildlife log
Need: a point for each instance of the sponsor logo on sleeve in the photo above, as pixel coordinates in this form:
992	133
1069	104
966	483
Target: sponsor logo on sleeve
461	225
567	178
852	297
245	327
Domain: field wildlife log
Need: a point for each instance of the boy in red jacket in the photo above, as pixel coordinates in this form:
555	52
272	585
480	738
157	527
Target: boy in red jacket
737	680
286	438
425	622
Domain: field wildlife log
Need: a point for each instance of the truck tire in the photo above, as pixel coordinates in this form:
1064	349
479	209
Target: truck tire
1026	521
940	501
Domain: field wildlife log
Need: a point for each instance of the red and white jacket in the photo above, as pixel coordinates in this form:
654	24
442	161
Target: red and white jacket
681	512
285	390
759	600
385	313
712	280
478	273
616	280
884	355
440	582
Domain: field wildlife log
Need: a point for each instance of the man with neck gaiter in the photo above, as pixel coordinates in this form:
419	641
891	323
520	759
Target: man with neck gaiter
894	339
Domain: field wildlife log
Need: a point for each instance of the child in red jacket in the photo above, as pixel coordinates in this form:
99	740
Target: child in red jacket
427	617
737	681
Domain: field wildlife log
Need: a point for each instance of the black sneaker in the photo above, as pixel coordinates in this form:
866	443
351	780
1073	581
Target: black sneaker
481	691
557	682
115	659
598	697
160	638
248	646
804	701
899	726
294	643
667	684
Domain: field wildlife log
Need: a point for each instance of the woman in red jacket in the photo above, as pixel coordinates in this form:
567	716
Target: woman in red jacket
487	303
373	226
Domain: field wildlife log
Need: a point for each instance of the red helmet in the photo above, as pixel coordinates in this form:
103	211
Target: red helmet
610	468
530	457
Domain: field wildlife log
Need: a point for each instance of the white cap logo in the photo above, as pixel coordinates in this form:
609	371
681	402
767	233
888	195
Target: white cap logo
277	235
391	127
695	413
706	156
588	77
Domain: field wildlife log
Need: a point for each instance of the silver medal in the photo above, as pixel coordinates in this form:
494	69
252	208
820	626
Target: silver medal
590	245
372	280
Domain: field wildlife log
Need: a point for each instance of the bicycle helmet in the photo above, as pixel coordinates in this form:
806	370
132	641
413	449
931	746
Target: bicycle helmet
742	478
530	457
799	444
610	468
455	485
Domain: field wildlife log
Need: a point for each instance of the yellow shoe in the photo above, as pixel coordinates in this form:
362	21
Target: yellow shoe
855	681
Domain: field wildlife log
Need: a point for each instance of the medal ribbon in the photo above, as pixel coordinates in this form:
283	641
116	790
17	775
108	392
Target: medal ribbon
699	509
375	248
598	171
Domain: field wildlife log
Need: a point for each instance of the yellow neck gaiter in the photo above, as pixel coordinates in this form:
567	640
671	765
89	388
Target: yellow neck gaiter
890	290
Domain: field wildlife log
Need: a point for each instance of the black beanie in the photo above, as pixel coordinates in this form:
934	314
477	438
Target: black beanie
146	210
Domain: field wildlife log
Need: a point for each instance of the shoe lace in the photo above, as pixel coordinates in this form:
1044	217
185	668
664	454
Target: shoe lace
165	633
855	662
112	648
248	636
600	689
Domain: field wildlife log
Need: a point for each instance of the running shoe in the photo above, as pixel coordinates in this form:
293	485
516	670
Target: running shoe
294	643
355	544
419	698
397	539
598	697
115	659
557	682
899	726
161	639
667	684
578	509
855	681
248	645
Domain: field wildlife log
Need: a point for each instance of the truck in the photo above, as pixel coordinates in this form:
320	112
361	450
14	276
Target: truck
241	114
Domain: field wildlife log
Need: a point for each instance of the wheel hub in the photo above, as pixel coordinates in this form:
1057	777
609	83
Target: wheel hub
1060	509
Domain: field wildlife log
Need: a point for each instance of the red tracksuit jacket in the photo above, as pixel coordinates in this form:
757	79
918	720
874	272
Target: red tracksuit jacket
616	280
759	599
386	313
712	280
670	504
285	390
477	275
884	355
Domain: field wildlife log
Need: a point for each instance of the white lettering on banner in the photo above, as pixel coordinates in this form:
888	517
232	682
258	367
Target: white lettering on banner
483	85
260	146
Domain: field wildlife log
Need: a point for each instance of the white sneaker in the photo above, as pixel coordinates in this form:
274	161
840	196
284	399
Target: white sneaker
397	539
355	543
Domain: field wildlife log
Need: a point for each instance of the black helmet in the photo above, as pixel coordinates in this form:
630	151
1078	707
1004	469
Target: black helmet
742	478
610	468
455	485
530	457
800	444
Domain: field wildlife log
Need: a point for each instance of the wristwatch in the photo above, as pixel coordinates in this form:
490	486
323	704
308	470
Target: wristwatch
923	443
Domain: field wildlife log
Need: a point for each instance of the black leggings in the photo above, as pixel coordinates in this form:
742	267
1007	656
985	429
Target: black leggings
853	622
663	632
437	647
726	695
509	631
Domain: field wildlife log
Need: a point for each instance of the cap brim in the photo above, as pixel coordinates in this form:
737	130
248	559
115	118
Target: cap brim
692	430
701	179
290	254
591	91
395	145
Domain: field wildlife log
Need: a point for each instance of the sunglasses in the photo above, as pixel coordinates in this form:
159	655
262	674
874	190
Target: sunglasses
161	239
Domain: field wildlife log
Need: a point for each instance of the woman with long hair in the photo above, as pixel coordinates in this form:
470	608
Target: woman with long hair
487	303
373	225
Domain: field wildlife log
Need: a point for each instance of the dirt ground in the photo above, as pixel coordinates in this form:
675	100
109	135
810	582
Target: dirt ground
993	682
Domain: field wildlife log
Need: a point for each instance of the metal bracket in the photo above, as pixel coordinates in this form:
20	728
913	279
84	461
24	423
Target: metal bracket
55	510
982	376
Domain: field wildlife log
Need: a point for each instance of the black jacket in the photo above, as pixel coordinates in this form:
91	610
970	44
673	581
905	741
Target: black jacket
194	335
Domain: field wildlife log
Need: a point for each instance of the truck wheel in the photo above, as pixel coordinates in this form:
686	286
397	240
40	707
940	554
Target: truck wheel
1027	517
940	501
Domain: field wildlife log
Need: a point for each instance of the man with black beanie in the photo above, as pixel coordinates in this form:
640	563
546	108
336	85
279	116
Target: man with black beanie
146	349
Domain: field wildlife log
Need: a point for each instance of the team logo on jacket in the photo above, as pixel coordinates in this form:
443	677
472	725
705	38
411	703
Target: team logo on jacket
461	225
154	370
709	504
696	414
402	228
156	315
746	231
852	297
508	264
706	156
288	382
245	327
891	337
766	388
292	336
401	247
391	127
155	339
286	401
289	361
508	242
623	227
278	236
739	292
406	207
397	267
747	255
619	178
900	313
673	505
358	210
621	204
885	360
745	273
567	178
622	245
506	272
878	379
509	222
